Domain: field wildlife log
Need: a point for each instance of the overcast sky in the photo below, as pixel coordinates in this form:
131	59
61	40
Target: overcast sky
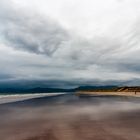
94	41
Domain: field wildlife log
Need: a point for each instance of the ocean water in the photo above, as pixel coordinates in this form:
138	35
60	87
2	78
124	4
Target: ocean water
6	98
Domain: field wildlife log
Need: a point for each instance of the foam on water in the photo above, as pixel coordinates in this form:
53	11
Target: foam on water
19	97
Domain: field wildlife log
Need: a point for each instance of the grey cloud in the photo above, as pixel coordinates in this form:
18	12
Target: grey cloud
5	76
127	67
58	83
71	57
30	32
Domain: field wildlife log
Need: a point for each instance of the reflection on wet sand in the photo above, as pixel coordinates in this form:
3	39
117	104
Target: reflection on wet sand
68	117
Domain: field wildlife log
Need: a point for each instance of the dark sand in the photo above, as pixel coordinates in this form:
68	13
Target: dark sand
68	117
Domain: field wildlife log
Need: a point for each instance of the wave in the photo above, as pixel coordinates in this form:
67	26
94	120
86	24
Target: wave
18	97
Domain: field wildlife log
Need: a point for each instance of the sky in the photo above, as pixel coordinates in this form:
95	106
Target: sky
70	42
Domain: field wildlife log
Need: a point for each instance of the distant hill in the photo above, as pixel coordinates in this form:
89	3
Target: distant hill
97	88
109	89
81	88
35	90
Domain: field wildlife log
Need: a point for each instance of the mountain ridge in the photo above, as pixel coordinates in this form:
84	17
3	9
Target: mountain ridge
108	88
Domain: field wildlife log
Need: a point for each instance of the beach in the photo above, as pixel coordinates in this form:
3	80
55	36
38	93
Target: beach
111	93
70	117
20	97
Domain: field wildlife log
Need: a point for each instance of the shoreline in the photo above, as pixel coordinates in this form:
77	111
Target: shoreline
9	98
92	93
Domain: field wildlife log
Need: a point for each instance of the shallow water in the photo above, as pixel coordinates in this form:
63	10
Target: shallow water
69	117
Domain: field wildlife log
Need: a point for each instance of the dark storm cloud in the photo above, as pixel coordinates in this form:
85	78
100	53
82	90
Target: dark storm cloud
5	76
58	83
27	31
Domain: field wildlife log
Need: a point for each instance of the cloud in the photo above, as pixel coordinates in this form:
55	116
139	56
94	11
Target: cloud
25	30
37	47
5	76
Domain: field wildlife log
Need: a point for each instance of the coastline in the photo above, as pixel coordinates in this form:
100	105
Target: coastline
95	93
9	98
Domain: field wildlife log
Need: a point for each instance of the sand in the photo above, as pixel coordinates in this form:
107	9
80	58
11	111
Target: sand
68	117
91	93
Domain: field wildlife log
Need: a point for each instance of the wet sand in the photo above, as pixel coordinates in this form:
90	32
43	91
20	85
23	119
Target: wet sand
69	117
94	93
